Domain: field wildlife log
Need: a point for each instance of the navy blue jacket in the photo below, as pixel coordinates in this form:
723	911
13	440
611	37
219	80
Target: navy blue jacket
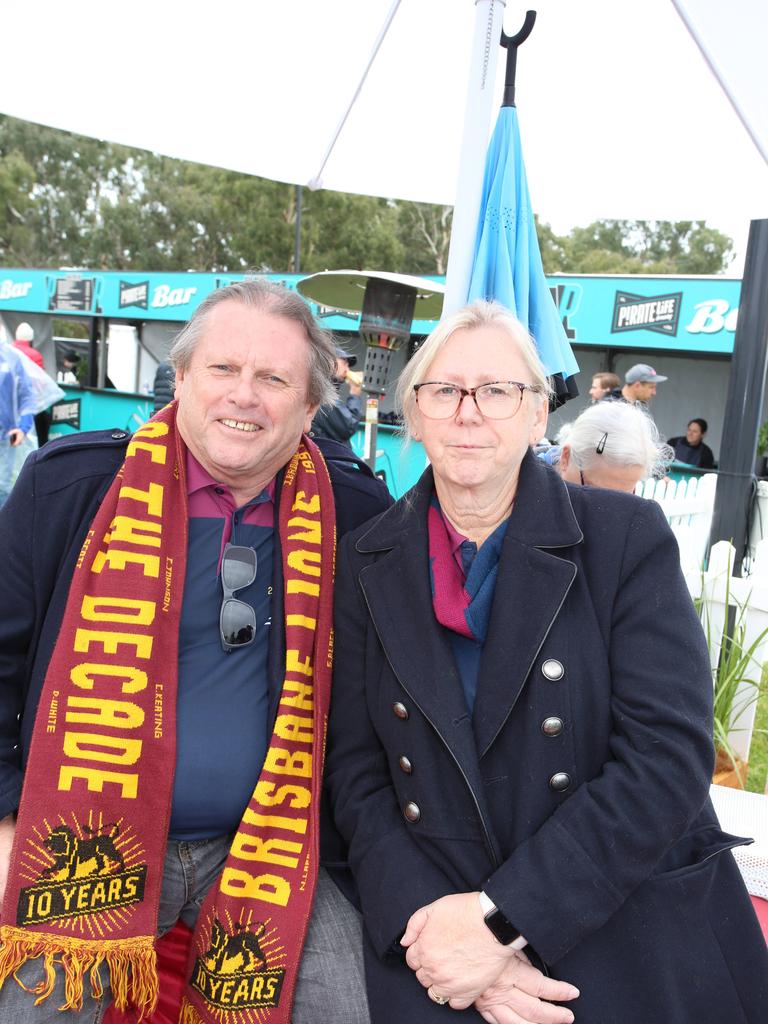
594	833
42	527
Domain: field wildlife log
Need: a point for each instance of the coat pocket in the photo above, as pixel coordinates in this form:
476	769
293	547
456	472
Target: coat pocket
694	849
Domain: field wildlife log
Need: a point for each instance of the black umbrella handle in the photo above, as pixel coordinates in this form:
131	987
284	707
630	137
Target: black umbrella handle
512	43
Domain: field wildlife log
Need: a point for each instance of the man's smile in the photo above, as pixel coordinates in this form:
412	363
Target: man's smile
240	425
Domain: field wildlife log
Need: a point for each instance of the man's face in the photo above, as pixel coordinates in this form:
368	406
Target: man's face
597	391
694	434
243	398
342	366
644	390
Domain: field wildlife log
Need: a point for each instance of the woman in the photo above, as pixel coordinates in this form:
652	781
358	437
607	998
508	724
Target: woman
520	748
612	445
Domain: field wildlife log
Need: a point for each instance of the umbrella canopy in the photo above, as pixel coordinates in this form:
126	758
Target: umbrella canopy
622	87
507	263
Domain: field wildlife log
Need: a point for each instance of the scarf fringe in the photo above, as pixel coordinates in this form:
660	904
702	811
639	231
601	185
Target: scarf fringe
132	967
189	1014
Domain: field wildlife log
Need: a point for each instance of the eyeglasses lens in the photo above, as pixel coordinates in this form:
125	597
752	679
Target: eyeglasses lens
237	622
238	567
499	401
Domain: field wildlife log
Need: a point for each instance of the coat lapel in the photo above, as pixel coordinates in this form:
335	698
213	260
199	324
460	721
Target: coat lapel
530	589
398	593
532	584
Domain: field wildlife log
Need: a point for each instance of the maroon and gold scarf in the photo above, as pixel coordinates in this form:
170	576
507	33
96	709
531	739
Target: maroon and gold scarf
87	862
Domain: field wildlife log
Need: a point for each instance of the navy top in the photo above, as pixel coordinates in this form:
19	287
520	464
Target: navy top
222	703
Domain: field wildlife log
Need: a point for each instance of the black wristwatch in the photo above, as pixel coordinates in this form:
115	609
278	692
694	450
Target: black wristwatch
500	926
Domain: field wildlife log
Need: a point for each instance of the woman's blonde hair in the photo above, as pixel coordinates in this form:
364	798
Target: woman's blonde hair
477	314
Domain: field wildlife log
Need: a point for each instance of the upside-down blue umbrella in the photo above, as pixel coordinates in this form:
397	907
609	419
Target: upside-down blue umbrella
507	265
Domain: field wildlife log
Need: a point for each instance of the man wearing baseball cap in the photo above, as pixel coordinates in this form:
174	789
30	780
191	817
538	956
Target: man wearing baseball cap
639	388
339	421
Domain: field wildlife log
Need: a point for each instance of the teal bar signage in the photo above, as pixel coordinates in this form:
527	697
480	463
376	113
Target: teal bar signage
689	314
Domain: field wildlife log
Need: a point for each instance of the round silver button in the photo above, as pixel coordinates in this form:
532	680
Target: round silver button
552	670
405	764
552	726
412	811
559	782
118	435
400	710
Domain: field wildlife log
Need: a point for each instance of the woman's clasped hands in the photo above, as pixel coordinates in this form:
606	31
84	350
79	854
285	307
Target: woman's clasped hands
459	961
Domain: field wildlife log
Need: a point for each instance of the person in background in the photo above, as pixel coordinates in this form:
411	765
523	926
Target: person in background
520	743
24	338
339	420
639	387
70	363
602	384
612	445
16	397
206	544
163	387
691	448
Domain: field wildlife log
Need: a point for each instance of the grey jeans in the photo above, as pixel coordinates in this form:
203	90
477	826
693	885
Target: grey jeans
331	985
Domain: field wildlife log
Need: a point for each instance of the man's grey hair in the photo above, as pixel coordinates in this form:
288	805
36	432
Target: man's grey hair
625	434
263	295
478	314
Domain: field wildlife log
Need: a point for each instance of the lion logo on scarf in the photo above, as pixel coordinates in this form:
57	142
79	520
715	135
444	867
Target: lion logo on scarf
79	857
234	954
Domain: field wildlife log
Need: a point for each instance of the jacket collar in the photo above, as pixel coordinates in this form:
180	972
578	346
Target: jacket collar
542	517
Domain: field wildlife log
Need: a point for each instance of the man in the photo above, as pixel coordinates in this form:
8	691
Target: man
691	448
602	383
639	388
164	385
16	413
339	420
100	640
70	364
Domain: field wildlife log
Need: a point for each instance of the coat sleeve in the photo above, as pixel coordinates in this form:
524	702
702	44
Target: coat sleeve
394	878
571	875
17	600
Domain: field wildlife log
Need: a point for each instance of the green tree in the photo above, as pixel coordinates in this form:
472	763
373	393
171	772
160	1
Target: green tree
66	200
425	233
636	247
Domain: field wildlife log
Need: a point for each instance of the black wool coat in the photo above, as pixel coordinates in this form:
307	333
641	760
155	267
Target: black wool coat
594	832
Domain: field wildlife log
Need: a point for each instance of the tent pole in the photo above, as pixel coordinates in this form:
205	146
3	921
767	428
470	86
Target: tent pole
746	390
297	234
489	19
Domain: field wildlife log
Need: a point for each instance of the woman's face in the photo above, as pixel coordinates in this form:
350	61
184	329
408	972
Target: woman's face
469	450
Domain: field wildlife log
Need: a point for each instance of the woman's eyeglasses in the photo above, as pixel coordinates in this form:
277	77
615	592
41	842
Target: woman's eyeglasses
237	619
497	400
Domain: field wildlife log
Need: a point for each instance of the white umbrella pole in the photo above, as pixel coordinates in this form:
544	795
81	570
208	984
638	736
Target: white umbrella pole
489	19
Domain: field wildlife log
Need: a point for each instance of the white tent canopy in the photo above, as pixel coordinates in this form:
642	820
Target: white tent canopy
621	114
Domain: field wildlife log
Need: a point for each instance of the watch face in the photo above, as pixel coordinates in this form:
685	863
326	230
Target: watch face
503	929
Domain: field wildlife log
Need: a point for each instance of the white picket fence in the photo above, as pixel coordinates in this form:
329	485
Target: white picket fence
688	506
